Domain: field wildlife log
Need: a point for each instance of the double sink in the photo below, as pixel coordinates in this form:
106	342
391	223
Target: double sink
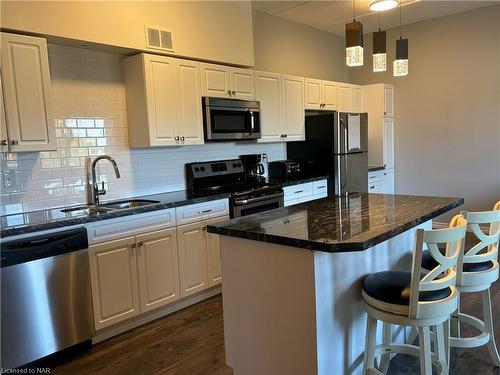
107	207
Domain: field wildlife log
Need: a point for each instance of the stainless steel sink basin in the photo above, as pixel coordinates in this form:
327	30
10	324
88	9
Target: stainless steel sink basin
85	210
121	205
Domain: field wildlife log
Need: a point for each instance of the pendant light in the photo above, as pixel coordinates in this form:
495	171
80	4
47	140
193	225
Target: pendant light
379	49
354	41
400	65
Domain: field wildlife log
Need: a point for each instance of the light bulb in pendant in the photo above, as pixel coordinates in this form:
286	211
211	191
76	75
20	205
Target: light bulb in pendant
400	65
379	51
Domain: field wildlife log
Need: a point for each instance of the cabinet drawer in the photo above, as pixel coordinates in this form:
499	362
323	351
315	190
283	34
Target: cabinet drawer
298	191
376	175
320	189
112	229
201	211
376	187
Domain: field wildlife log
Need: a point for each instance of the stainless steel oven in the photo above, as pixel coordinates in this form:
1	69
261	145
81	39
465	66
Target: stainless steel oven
243	206
231	119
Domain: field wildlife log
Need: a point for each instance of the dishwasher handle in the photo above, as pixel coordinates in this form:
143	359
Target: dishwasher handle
42	246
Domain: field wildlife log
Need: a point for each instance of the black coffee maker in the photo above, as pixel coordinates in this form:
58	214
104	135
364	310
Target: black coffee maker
256	169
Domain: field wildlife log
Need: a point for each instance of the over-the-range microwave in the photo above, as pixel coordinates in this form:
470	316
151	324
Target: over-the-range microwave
231	119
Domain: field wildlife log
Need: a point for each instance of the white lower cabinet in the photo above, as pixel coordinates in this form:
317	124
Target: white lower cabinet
213	255
308	191
381	181
115	289
158	268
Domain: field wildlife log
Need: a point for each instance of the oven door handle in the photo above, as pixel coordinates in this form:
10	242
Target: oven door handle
259	199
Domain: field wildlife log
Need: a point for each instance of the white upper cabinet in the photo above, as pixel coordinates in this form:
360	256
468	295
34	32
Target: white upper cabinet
320	94
26	94
268	93
227	82
4	136
344	92
388	143
389	100
158	269
163	101
358	99
293	108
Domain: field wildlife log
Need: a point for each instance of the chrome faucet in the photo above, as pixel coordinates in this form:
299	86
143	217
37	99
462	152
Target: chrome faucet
96	192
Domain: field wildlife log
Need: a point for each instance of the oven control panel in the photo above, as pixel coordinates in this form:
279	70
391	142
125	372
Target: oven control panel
215	168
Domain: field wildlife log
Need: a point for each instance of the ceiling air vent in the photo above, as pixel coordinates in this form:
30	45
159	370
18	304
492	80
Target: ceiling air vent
158	38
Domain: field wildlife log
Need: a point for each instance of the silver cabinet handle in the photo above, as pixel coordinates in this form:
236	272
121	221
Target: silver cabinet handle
286	135
203	228
14	142
133	245
234	93
204	211
298	191
320	187
182	139
177	138
372	187
140	244
229	92
3	142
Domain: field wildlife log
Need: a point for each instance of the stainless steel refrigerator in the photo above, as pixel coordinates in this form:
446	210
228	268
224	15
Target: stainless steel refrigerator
336	145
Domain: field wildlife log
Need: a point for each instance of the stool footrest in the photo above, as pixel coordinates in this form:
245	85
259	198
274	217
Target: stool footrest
470	342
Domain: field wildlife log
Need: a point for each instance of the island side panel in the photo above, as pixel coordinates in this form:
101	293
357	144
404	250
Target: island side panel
269	308
340	317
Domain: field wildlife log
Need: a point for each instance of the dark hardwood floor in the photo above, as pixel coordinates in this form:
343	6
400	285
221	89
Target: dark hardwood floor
191	341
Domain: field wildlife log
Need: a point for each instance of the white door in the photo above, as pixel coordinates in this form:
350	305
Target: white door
26	90
389	142
293	108
344	97
358	99
329	95
268	93
4	136
215	80
115	292
242	84
388	101
189	110
313	94
161	99
158	269
213	254
389	181
192	249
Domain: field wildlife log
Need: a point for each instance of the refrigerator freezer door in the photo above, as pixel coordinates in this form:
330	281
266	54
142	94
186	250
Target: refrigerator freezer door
351	173
351	133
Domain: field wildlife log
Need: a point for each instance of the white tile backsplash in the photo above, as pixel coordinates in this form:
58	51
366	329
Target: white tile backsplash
88	100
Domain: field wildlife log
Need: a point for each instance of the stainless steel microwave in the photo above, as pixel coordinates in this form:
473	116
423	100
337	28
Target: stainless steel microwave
231	119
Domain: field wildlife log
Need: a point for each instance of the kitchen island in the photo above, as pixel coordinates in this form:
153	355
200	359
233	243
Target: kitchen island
292	278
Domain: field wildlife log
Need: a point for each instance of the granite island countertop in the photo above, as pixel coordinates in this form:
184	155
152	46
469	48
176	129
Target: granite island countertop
335	224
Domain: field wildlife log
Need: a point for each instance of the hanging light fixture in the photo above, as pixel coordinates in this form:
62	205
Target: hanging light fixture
379	49
354	41
381	5
400	65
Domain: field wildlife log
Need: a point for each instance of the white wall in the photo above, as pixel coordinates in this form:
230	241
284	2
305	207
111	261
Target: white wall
90	114
447	133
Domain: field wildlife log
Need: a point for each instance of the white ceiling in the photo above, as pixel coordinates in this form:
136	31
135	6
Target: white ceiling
332	16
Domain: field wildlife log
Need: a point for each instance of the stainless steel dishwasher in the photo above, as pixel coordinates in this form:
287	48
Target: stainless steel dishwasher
46	296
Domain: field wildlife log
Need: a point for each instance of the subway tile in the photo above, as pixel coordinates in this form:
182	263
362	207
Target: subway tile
52	183
51	163
85	123
95	133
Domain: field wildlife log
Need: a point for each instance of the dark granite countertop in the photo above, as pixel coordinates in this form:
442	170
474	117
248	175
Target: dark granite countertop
338	224
302	180
29	222
374	168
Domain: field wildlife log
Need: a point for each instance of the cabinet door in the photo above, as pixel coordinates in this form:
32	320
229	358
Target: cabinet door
4	136
113	270
190	119
344	97
388	101
293	108
358	99
26	90
329	94
213	254
389	142
192	249
243	84
158	268
215	80
268	93
389	181
313	94
161	98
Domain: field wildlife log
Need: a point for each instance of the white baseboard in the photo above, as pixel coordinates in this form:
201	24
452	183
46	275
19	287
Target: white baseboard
137	321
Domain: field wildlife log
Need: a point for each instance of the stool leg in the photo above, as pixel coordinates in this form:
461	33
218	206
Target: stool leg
455	322
412	336
371	337
386	340
446	329
424	339
440	344
488	326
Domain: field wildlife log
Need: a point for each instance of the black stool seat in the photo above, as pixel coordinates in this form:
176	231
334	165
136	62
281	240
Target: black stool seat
429	263
394	287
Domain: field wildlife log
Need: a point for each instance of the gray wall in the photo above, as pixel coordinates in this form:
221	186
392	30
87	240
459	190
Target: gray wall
288	47
447	133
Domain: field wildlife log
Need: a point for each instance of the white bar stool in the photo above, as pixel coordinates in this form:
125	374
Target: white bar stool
480	270
413	299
